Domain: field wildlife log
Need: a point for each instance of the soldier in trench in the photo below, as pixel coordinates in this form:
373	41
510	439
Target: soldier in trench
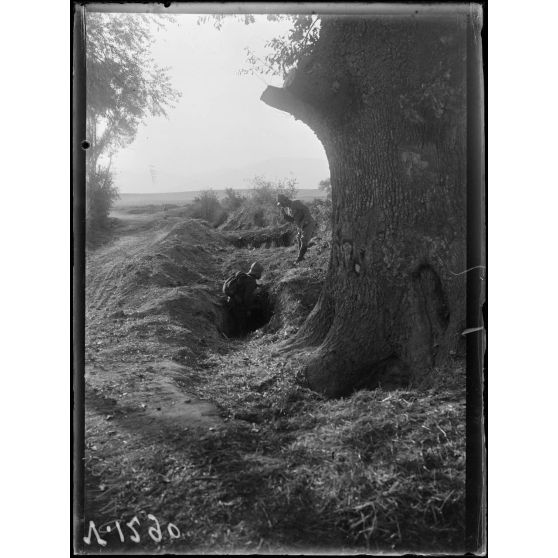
299	214
241	290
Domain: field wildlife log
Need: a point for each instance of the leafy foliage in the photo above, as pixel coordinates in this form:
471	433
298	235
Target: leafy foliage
285	51
124	84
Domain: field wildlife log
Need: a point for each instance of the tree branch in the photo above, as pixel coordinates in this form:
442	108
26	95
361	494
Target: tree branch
282	99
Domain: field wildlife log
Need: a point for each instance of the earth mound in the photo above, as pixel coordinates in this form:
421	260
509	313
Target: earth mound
168	285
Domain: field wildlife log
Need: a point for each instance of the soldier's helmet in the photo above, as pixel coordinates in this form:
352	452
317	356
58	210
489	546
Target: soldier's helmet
282	199
256	269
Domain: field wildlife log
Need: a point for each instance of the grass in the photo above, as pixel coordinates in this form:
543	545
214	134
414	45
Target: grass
377	471
382	470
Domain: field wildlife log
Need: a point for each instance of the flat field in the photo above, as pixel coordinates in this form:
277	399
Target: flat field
181	198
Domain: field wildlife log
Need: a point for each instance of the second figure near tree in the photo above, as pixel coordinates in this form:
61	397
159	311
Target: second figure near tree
299	214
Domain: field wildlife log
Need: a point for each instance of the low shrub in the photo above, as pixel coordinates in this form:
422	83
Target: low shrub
206	206
101	193
233	200
259	209
264	192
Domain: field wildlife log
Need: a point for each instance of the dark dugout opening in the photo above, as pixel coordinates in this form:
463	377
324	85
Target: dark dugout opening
239	322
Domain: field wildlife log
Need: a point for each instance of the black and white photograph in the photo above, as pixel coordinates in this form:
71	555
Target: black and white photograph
280	282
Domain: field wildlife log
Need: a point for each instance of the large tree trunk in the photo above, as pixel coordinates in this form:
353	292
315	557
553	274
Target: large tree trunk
386	95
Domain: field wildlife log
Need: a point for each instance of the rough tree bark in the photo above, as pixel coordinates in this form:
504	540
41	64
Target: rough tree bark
386	95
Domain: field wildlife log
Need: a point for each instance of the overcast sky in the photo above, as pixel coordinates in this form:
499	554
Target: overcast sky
220	122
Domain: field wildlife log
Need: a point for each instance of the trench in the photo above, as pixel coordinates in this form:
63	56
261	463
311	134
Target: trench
282	237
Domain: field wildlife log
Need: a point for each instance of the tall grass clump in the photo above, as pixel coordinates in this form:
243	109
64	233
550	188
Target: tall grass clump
232	200
206	206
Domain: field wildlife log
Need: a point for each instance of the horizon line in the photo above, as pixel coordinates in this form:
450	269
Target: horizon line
199	190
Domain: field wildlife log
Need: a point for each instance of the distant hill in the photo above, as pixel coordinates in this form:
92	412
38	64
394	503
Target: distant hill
307	171
180	198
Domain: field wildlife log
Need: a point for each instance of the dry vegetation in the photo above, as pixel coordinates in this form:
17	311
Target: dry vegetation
221	438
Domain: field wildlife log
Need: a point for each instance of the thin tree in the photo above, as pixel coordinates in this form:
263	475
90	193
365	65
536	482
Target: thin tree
124	86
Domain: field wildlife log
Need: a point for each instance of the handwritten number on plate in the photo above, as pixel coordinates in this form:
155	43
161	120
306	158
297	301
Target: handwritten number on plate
135	537
173	530
92	528
155	533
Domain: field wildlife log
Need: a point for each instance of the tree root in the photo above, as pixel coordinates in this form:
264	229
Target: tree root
316	326
335	372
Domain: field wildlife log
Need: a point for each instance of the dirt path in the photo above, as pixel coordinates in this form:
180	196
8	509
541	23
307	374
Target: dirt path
137	377
146	390
153	400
